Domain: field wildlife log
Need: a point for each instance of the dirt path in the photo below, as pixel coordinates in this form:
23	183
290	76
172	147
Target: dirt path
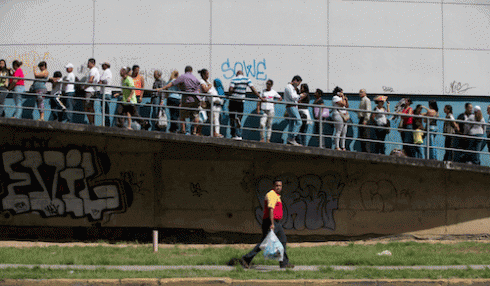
23	244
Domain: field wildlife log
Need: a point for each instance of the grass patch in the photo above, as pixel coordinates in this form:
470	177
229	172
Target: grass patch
404	254
325	273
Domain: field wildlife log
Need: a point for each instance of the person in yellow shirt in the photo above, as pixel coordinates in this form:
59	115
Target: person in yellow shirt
270	221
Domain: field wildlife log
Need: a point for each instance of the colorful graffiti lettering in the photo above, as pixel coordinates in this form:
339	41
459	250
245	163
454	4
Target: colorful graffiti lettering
308	201
252	70
58	183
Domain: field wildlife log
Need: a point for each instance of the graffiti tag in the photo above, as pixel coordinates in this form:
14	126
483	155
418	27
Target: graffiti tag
57	183
197	191
255	69
388	89
458	87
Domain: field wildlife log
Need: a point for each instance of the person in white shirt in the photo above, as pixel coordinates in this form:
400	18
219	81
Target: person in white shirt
69	92
106	92
363	130
207	87
292	97
90	91
477	132
267	109
340	117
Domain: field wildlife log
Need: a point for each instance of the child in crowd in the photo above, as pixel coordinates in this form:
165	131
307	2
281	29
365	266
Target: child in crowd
418	138
55	100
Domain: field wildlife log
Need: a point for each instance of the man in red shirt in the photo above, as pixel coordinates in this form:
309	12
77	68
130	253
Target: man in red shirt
270	221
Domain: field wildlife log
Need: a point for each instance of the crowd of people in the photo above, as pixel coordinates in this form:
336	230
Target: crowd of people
200	94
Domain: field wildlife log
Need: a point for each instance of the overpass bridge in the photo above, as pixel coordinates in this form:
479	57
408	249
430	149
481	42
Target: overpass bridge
71	181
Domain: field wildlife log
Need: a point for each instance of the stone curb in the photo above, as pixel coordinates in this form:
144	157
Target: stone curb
231	268
228	281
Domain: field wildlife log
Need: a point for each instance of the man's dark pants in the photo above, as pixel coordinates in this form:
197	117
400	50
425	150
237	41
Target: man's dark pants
364	133
279	231
235	108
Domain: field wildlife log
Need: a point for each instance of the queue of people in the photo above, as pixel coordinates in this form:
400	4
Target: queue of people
373	123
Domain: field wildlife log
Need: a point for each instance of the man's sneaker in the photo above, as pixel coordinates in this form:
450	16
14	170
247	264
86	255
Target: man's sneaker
244	263
238	138
293	142
287	266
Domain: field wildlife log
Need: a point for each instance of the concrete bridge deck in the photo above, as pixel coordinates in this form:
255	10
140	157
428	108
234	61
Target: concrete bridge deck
71	176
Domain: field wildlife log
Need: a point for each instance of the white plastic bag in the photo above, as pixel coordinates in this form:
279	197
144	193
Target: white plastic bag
272	247
203	116
162	119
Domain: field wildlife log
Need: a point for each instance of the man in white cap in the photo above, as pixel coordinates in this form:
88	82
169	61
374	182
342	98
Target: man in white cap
69	92
106	92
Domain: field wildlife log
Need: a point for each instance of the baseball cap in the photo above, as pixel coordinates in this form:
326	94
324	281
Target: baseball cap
70	65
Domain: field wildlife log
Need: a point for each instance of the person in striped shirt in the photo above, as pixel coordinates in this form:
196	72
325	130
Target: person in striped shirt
238	90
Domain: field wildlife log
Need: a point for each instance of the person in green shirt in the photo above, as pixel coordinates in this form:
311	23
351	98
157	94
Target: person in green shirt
128	97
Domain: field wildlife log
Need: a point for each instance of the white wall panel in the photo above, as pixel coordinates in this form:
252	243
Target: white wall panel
292	22
467	26
142	21
46	22
388	24
277	63
152	57
403	70
467	72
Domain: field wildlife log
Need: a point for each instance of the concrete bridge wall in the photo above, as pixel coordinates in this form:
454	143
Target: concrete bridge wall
55	175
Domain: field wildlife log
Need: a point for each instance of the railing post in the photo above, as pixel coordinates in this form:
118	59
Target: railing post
103	109
155	240
428	139
211	118
320	128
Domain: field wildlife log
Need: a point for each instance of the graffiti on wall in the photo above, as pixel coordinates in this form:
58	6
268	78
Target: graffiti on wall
309	201
253	69
57	183
456	87
383	196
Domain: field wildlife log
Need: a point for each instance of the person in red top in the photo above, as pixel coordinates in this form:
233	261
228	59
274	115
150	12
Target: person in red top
18	88
407	123
270	221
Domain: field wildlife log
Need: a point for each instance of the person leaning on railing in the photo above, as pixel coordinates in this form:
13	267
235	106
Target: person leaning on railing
189	101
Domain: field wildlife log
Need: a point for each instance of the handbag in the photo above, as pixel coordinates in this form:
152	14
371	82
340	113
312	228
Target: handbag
345	116
325	112
162	119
